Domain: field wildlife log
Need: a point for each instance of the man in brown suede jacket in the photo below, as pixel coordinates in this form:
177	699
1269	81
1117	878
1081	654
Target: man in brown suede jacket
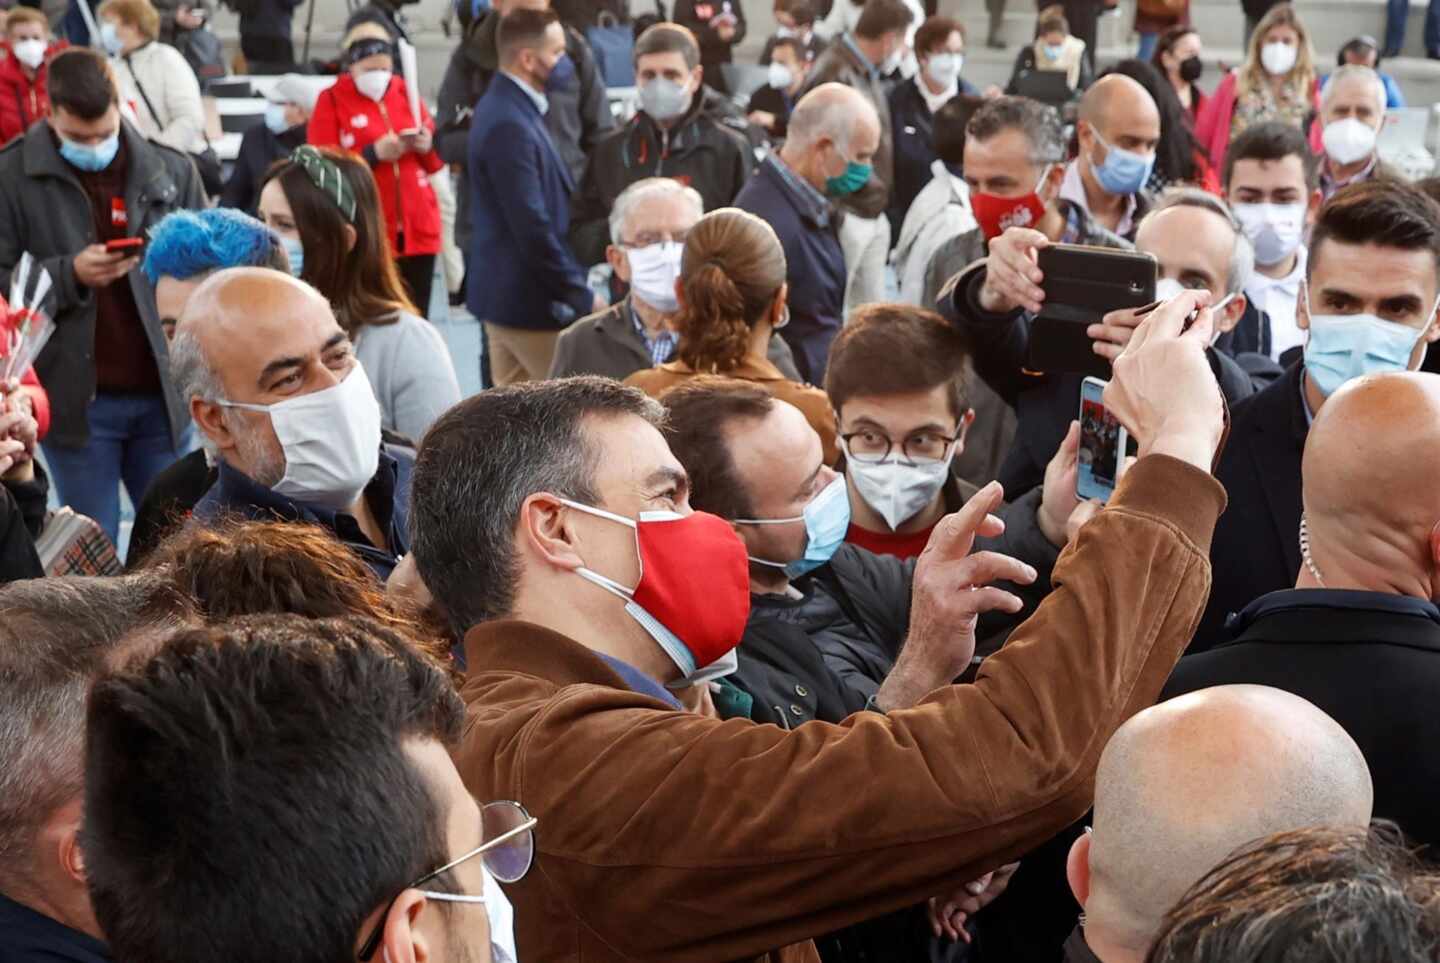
671	835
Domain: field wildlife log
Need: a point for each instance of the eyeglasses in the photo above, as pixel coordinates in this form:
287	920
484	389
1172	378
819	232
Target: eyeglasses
508	848
922	447
647	238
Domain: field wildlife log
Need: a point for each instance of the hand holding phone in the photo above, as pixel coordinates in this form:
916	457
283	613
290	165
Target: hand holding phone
97	265
1102	445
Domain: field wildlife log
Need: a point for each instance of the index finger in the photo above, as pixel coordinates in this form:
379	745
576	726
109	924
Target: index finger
954	536
1168	320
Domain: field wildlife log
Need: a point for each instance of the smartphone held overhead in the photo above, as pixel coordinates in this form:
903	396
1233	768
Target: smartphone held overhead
1102	445
1082	284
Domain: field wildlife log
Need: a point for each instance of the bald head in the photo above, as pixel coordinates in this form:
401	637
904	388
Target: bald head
1183	784
1117	95
1371	503
832	112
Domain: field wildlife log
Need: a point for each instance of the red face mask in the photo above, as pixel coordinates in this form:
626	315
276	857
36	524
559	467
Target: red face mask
996	214
693	597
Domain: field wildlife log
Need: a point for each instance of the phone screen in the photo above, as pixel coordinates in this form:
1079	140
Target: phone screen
1102	445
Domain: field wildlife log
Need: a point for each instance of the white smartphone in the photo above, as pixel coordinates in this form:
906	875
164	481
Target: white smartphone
1102	444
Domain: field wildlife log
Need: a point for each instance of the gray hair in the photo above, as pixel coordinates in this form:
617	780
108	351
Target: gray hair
193	377
1242	256
1039	123
55	637
1358	72
641	191
479	462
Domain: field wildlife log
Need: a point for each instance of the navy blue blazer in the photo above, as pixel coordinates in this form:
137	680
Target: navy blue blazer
522	272
815	264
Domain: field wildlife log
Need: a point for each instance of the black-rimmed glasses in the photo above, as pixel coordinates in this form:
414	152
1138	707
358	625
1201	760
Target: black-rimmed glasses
922	447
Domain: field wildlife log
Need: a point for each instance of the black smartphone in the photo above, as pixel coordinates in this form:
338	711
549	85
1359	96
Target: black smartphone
1082	284
1102	444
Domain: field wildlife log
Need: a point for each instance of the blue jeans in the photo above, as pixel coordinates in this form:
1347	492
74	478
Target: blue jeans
1148	43
129	442
1395	14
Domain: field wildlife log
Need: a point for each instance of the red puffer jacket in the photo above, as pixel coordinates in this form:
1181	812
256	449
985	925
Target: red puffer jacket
22	100
348	119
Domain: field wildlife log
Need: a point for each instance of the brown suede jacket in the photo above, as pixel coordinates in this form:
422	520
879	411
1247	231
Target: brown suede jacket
665	835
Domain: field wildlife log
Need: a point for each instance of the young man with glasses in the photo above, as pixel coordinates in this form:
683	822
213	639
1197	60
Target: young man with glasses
809	591
281	788
904	425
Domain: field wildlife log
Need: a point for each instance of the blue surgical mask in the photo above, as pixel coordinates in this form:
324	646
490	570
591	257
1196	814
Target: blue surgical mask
1346	346
110	38
275	118
90	157
295	252
1124	171
826	518
561	75
1052	51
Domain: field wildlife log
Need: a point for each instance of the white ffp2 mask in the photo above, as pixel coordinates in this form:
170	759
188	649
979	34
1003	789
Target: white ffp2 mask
331	440
654	269
896	490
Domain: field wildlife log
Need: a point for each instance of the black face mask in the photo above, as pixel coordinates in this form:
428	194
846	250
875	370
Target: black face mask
1191	68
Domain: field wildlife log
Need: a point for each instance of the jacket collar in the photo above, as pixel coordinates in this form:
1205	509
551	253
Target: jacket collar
514	647
235	491
1371	618
1280	424
482	42
32	935
615	323
149	179
1077	950
809	203
848	49
749	369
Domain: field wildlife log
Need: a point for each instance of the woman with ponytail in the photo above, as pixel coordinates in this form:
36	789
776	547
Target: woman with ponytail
731	293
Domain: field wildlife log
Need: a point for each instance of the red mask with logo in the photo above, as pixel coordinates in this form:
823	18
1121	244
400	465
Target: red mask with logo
693	597
996	214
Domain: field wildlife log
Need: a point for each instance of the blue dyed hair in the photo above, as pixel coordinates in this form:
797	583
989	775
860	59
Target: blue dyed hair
187	244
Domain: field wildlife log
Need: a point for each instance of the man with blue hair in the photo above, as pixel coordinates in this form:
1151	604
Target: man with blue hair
184	249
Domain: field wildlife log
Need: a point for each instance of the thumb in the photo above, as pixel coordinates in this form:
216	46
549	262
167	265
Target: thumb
955	534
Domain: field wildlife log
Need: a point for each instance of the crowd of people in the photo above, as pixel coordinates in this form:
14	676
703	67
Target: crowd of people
752	609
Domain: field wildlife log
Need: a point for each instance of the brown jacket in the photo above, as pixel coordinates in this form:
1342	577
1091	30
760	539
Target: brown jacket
670	836
813	403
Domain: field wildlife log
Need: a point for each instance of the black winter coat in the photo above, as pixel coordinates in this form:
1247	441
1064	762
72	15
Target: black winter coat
1370	661
706	150
259	148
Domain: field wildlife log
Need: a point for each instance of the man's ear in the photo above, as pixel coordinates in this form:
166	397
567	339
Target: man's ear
209	417
402	941
1231	315
72	858
619	263
1435	555
548	529
1077	869
697	77
966	420
1302	307
1312	207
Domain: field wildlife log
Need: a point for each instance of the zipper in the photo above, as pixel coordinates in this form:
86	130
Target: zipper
399	187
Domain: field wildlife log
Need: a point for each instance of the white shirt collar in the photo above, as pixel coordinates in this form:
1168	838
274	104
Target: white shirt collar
1072	189
541	102
932	101
1290	283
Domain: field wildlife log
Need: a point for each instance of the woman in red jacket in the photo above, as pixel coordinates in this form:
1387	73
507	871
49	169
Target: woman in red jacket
23	99
368	112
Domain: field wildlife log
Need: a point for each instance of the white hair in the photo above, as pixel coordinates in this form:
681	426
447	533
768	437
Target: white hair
643	190
828	116
1359	72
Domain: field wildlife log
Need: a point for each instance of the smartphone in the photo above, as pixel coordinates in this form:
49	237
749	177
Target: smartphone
1102	444
1082	284
125	245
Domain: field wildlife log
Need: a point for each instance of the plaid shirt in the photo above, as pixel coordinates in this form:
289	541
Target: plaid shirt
661	347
